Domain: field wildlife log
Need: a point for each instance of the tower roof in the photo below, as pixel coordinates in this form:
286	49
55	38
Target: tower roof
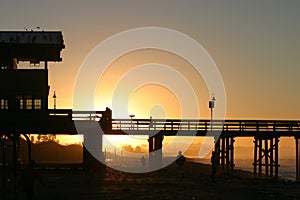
31	46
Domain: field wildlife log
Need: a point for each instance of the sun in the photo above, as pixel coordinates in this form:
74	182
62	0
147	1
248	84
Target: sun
156	101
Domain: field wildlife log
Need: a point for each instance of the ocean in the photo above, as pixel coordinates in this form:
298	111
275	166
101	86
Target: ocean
286	171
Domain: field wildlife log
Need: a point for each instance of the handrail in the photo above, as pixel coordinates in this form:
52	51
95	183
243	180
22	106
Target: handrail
204	125
76	115
183	124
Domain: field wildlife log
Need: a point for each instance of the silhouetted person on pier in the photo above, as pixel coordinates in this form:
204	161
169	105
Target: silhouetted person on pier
214	165
105	120
28	179
180	163
143	162
151	123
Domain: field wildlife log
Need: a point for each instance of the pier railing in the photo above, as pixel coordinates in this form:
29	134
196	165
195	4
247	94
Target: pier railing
206	125
251	126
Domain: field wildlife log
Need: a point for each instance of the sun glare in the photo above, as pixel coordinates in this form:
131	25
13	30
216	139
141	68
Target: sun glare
156	101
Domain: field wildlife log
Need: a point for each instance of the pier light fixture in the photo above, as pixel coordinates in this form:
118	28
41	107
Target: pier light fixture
54	98
211	105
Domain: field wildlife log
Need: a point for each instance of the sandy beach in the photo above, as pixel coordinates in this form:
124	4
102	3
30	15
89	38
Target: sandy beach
73	184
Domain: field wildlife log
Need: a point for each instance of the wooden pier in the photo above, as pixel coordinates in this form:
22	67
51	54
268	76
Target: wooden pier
266	134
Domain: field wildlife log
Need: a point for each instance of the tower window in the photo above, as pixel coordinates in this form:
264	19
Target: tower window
37	104
28	104
4	104
20	102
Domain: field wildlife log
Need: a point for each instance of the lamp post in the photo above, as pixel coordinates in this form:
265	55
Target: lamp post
131	116
54	98
211	105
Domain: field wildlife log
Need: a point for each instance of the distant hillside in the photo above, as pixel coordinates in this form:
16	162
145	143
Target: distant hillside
52	152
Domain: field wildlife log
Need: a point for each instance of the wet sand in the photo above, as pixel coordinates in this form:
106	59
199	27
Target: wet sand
163	184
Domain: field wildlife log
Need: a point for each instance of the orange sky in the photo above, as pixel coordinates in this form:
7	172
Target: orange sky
152	95
255	45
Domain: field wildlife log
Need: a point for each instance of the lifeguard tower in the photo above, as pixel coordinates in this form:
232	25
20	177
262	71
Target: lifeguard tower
24	89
